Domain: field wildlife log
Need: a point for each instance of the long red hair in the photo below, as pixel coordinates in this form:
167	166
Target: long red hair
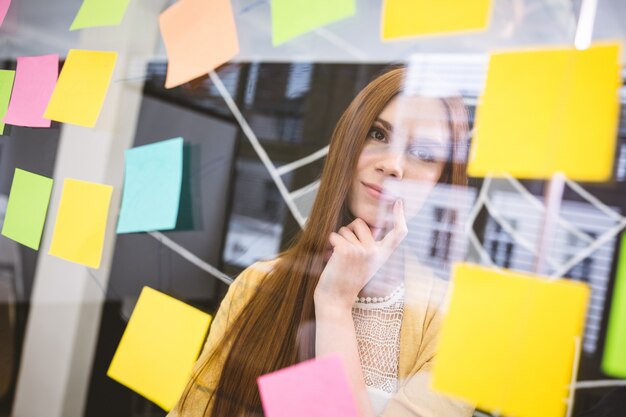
276	328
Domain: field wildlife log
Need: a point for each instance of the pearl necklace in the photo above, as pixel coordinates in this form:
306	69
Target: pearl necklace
380	299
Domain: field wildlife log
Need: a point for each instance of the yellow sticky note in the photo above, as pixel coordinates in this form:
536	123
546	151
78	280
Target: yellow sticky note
159	347
81	222
508	341
82	86
548	111
406	18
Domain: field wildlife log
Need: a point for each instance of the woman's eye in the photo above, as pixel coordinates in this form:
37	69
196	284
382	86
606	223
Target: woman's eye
423	154
376	134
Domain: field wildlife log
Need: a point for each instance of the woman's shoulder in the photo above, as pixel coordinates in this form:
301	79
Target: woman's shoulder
251	277
258	270
241	290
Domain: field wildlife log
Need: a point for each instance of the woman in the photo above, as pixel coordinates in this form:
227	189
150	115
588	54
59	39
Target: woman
302	304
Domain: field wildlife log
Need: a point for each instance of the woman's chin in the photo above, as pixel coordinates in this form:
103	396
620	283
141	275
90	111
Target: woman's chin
377	224
377	218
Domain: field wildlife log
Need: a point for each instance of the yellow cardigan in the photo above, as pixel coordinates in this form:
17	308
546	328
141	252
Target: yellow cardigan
424	295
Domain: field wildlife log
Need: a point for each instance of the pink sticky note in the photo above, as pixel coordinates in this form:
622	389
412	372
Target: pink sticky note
314	388
35	78
4	8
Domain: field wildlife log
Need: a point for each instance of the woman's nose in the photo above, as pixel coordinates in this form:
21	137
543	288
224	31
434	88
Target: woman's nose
391	164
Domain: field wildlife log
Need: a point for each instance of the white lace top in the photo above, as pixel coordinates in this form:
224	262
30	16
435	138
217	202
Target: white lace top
377	324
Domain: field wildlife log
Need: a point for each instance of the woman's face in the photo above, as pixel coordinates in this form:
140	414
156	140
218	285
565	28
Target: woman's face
404	155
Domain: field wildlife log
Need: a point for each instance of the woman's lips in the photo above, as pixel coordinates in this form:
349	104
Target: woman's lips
376	192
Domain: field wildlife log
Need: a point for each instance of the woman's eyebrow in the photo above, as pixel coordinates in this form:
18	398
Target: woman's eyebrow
385	124
427	141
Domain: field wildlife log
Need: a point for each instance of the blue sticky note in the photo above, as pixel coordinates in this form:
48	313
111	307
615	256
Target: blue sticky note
152	185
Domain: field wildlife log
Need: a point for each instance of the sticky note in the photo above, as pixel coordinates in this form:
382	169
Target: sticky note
4	8
78	96
199	36
6	86
547	111
152	187
35	78
292	18
508	341
159	347
314	388
614	358
94	13
28	204
407	18
81	222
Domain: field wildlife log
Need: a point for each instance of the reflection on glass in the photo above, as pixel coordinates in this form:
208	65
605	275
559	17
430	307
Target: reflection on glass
352	282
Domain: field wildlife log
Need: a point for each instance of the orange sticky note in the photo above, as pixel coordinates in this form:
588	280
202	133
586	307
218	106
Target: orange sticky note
81	222
508	341
547	111
406	18
159	347
82	87
199	36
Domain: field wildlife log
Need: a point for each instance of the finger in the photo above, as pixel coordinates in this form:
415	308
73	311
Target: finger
377	233
349	235
336	239
399	230
327	254
362	232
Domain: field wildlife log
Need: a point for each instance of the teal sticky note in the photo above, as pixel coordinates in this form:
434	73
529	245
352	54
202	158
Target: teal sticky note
28	205
6	86
292	18
614	358
152	186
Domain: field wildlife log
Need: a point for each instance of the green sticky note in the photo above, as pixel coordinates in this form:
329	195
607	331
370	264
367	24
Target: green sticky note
291	18
6	86
28	205
614	359
94	13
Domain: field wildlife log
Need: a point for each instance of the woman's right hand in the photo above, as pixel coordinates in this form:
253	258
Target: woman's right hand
356	257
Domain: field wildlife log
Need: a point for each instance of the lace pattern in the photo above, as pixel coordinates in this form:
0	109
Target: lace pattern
377	326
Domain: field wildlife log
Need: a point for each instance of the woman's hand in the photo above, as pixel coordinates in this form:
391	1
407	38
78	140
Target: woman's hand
356	257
